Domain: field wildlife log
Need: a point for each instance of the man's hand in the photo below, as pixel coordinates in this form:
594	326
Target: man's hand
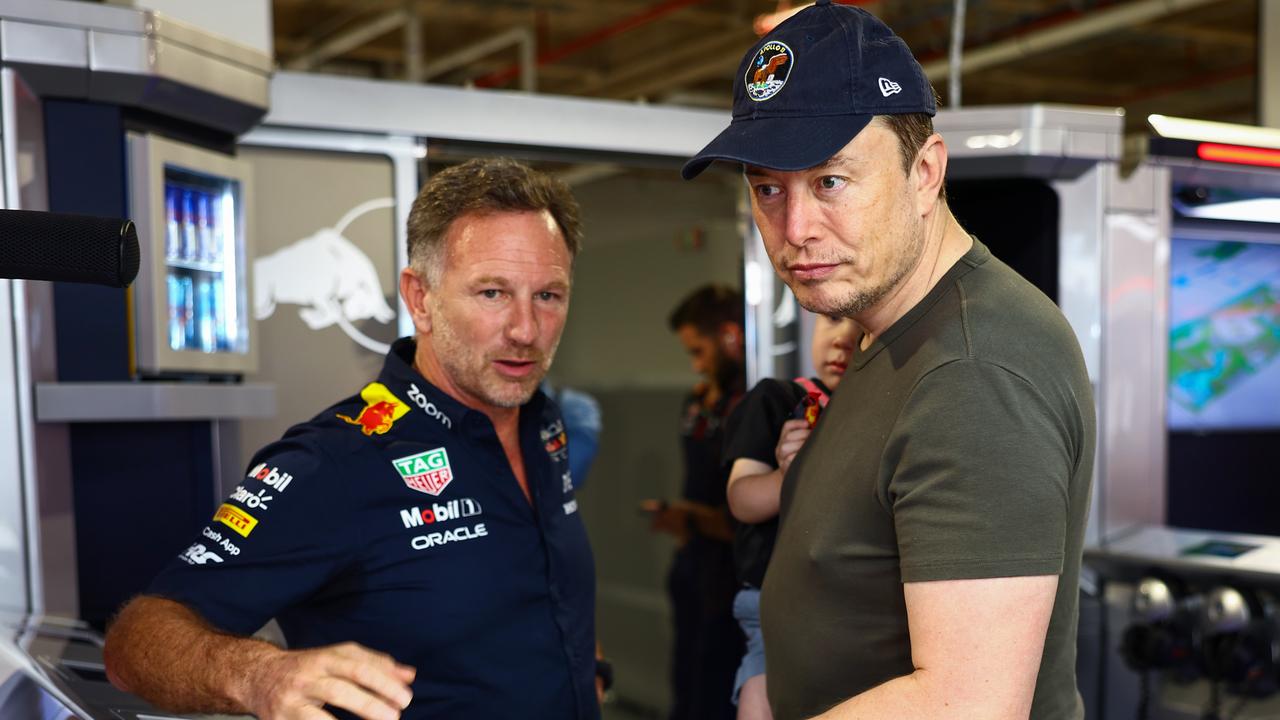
790	440
669	518
296	684
166	654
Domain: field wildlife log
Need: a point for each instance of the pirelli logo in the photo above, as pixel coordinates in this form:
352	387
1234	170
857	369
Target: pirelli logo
236	519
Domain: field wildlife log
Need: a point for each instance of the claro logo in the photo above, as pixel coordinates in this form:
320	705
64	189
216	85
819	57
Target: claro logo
440	512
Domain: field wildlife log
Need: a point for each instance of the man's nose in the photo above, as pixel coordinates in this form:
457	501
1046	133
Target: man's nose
522	323
801	212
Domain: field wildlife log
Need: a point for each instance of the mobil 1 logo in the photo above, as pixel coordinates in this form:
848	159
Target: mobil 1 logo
271	476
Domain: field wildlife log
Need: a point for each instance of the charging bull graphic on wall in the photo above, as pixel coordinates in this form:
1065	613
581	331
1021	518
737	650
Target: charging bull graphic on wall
331	279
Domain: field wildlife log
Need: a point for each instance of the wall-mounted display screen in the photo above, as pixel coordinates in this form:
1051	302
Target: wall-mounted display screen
1224	330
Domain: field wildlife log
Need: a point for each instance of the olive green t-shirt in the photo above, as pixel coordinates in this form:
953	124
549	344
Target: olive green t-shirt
959	445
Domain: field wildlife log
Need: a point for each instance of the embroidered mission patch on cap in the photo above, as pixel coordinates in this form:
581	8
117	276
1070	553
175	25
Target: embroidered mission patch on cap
769	70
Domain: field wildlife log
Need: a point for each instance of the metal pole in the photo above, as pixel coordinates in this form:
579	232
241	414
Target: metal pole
957	54
1269	63
412	43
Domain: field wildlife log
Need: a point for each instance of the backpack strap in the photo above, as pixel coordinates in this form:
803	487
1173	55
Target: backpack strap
812	388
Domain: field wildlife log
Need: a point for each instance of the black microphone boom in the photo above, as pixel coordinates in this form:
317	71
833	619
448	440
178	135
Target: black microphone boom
68	248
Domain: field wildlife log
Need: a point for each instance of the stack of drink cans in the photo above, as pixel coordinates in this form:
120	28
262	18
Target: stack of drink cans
194	253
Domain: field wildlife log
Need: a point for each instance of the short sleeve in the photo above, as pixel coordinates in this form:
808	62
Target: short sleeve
754	425
275	541
978	470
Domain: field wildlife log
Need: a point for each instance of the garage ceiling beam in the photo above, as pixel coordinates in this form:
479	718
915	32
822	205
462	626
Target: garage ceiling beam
350	40
521	37
656	74
1095	24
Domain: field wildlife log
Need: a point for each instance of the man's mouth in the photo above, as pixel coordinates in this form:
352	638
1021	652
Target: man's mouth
807	272
515	368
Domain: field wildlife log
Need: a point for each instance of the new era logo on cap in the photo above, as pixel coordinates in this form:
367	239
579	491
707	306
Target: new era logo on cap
889	87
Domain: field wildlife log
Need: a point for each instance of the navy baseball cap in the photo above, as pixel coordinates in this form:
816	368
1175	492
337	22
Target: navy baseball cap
809	86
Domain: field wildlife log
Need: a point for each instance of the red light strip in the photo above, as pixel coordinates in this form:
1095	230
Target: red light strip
1238	155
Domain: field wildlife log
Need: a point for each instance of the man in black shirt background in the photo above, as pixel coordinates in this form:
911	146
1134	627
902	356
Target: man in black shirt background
701	582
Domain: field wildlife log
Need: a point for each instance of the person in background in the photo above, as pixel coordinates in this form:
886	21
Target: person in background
931	532
416	541
701	585
762	437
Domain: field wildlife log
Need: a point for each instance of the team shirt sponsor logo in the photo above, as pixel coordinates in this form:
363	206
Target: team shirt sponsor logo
571	507
440	512
381	410
198	554
555	441
428	407
567	479
768	70
227	546
430	540
270	476
253	501
427	472
236	519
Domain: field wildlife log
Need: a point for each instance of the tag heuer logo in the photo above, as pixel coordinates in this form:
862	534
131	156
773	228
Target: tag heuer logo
427	472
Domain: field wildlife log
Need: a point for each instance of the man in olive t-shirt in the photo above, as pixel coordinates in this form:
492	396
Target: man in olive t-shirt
931	529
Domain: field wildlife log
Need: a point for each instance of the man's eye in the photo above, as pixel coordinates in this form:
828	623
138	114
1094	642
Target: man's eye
490	294
831	182
767	190
547	296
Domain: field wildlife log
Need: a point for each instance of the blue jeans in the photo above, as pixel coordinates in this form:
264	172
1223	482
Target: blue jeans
746	609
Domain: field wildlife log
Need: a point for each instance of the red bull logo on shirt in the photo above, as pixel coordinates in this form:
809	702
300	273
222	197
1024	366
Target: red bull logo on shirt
427	472
555	441
381	410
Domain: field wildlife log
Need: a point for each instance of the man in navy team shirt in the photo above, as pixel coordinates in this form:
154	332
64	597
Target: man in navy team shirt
419	543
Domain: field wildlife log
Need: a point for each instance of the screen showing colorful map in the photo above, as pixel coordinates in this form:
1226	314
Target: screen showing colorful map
1224	335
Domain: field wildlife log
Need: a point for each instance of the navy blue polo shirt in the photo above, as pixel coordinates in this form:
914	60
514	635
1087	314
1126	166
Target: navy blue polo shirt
393	520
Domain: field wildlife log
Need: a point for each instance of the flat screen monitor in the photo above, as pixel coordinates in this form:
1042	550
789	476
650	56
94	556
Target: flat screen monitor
1224	328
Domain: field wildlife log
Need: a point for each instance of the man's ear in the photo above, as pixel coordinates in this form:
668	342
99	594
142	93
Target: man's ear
416	295
930	172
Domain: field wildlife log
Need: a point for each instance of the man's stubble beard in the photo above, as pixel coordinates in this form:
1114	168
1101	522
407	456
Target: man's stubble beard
449	350
861	300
